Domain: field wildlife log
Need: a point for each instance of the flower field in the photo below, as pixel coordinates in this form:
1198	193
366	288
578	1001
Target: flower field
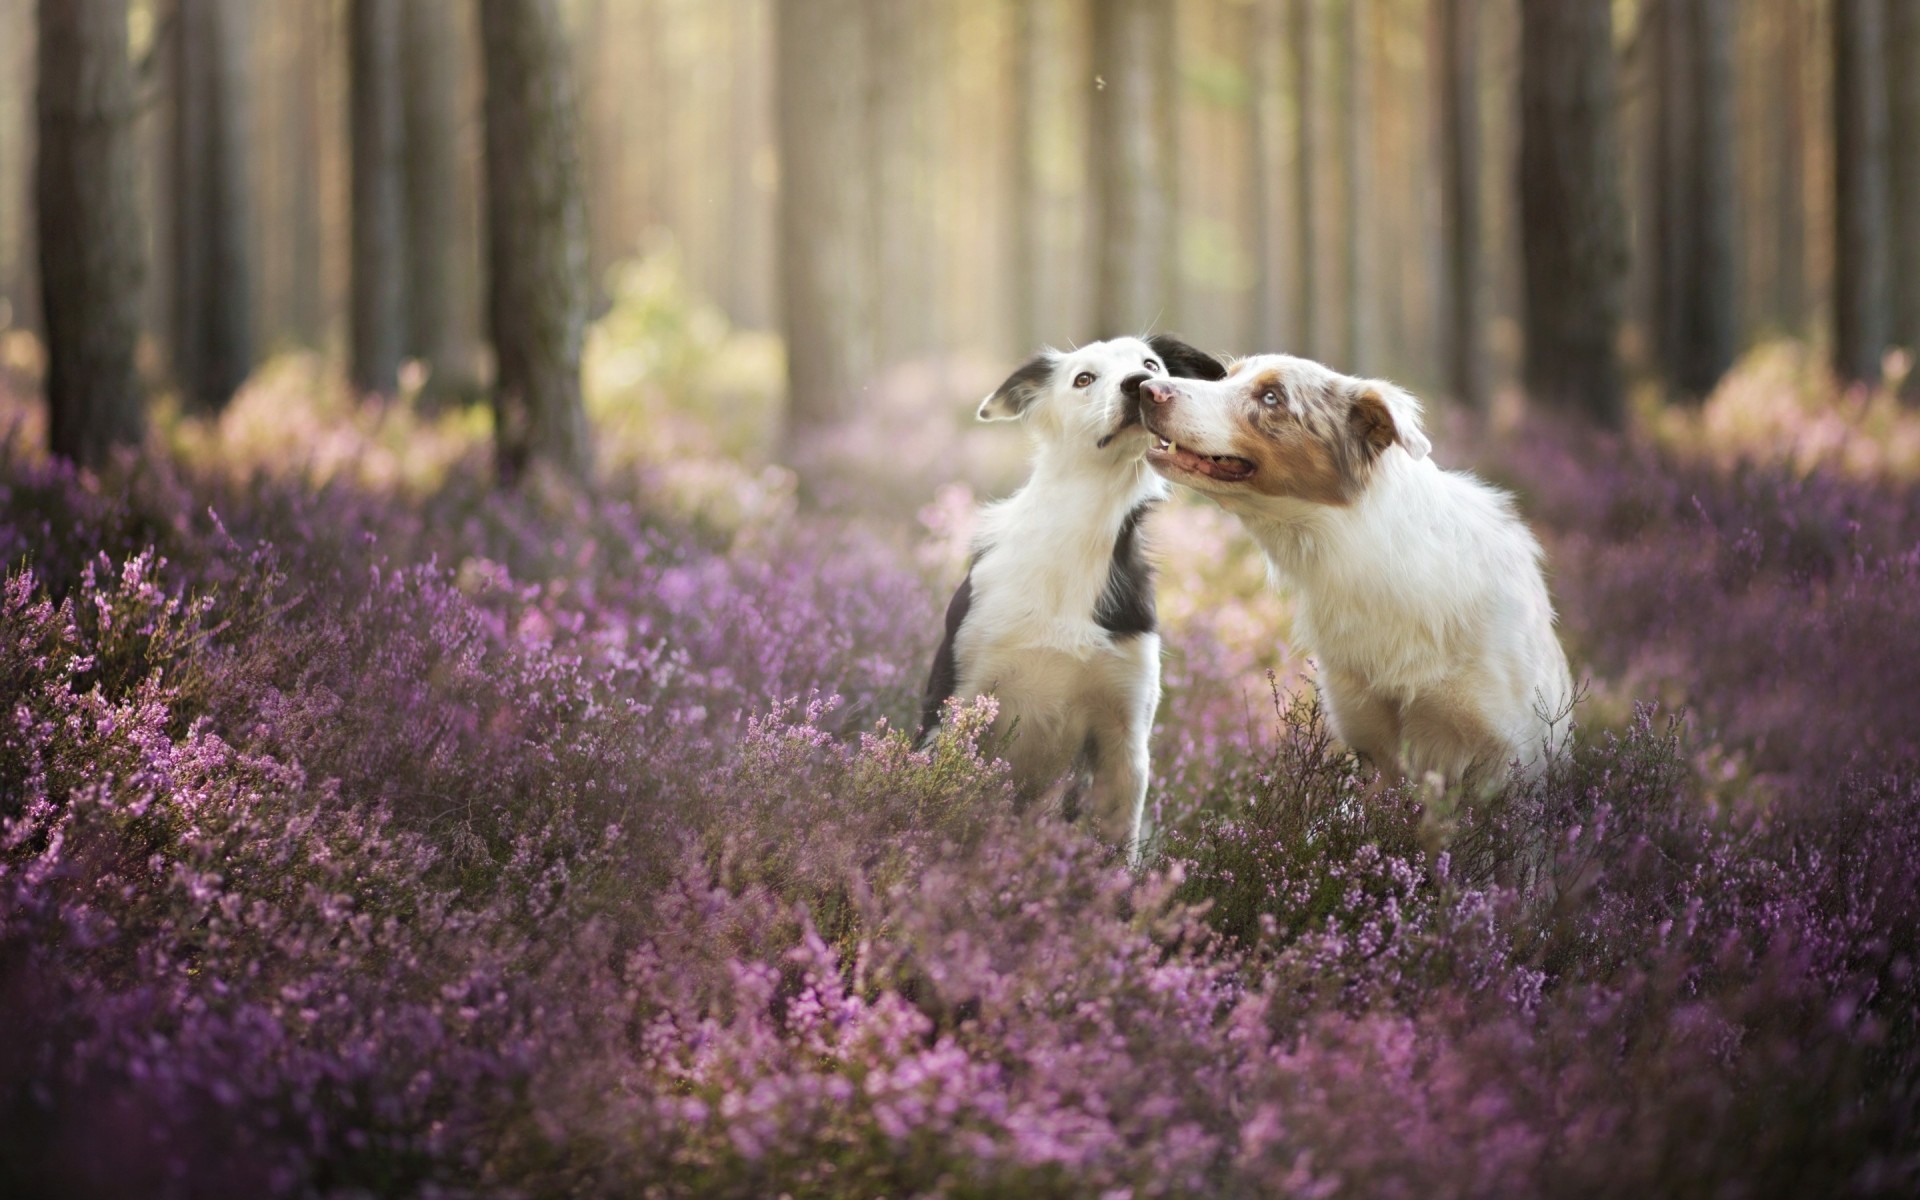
366	831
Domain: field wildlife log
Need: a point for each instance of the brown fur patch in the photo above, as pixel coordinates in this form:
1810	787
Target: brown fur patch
1371	422
1310	455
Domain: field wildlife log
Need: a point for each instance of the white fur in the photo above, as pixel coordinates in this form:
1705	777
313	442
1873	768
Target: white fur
1064	683
1423	599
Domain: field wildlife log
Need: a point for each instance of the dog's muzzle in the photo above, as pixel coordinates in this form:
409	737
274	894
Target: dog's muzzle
1154	391
1130	407
1130	386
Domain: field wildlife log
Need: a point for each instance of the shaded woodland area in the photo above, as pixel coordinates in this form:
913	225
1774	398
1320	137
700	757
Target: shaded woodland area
1571	194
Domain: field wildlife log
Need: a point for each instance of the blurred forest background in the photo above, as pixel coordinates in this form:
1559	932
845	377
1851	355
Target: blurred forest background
1577	195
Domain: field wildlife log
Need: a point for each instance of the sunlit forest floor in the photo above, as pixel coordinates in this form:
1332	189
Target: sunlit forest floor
369	830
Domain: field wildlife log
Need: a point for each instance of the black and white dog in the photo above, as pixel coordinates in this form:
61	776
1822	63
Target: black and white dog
1055	618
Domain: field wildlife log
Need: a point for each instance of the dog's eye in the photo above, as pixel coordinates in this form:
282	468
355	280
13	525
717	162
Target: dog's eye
1269	397
1083	379
1152	365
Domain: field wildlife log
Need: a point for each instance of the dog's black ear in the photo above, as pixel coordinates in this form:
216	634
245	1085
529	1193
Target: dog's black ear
1011	400
1184	361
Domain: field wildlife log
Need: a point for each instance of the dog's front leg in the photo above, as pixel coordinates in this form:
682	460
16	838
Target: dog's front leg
1117	798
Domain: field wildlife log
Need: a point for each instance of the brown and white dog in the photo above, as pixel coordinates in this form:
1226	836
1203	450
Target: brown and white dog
1420	591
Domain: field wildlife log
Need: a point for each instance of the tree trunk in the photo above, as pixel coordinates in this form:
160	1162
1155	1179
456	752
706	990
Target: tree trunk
1352	166
1166	61
1860	182
1305	282
1026	64
751	104
212	309
1572	221
826	243
431	179
1263	170
603	149
378	234
653	146
900	240
1132	216
536	239
1692	314
1790	176
1456	36
14	235
309	307
1670	58
1706	329
1903	177
92	258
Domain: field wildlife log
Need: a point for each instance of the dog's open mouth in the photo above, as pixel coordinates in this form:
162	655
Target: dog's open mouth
1223	467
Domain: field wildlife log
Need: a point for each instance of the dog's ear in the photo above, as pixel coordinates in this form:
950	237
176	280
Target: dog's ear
1184	361
1382	414
1011	400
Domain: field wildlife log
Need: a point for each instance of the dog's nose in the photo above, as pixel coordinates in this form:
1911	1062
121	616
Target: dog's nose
1159	389
1130	386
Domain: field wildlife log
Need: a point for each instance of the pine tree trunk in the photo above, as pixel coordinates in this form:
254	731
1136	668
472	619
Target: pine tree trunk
1860	182
92	257
14	236
1903	175
536	239
1263	171
653	146
1707	333
894	145
377	322
431	179
1670	35
1166	61
1458	76
602	93
826	244
747	301
1024	68
309	307
1352	165
1306	300
1572	221
1132	214
1790	176
212	317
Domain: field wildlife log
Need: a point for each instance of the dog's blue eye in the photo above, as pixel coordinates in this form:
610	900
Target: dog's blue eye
1269	398
1083	379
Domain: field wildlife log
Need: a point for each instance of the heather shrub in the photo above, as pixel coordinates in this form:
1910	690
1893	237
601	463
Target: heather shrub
365	830
885	811
1761	597
211	964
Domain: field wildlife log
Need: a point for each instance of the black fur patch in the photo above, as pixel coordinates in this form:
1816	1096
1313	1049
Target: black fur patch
1184	361
1125	608
946	673
1027	384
